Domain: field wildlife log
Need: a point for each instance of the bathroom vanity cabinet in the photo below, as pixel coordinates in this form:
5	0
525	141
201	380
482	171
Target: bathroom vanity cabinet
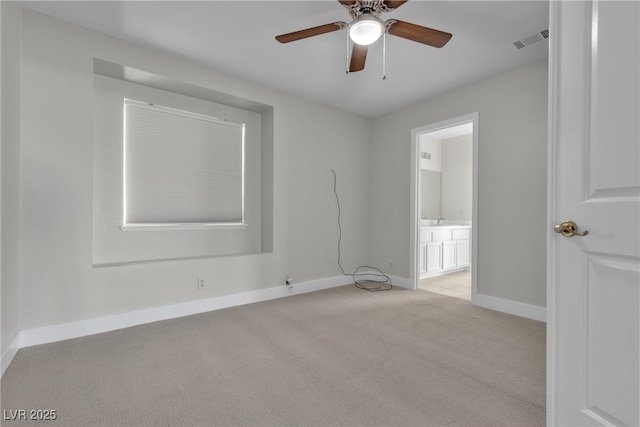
444	249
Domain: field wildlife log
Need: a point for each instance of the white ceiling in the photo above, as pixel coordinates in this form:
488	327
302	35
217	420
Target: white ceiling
238	37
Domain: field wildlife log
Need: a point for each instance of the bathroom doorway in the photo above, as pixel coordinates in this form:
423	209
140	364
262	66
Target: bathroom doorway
444	207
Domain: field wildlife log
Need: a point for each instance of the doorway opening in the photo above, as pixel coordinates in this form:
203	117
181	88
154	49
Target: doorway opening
444	159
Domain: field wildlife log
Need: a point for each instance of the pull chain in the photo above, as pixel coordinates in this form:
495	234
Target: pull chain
384	55
347	68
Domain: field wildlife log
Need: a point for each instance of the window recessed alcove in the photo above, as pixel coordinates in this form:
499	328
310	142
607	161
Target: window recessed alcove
115	241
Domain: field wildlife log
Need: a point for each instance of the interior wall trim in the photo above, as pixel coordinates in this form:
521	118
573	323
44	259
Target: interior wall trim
81	328
400	282
70	330
10	353
516	308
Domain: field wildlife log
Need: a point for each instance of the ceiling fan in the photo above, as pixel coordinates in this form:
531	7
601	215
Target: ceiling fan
366	27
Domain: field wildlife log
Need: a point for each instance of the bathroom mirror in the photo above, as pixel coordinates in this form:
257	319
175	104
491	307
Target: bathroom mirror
445	178
430	184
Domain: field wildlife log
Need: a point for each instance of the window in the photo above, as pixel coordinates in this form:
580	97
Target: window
185	172
181	169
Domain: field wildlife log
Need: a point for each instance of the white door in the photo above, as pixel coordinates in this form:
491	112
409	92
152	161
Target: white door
594	280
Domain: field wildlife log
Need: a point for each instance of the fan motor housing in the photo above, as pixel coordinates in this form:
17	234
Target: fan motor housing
372	7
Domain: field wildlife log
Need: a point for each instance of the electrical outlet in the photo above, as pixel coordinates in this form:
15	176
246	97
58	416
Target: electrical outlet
288	281
202	282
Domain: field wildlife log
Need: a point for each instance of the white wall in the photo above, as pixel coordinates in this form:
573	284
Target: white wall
57	281
47	149
10	83
433	147
512	160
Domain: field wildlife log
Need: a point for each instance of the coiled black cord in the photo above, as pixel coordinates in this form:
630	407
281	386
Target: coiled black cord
374	274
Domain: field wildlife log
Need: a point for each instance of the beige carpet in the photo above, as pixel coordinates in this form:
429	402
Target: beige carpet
336	357
453	284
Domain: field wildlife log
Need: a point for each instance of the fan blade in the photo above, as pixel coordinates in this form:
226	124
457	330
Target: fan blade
310	32
358	58
394	4
418	33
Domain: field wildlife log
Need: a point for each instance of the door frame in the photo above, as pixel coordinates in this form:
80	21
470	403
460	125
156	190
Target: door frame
414	211
552	129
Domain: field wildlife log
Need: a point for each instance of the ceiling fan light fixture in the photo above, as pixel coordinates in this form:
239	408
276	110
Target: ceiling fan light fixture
366	30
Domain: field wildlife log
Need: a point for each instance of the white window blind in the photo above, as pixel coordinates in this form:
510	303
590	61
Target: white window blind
181	168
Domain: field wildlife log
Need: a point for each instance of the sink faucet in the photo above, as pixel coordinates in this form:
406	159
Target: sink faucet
440	218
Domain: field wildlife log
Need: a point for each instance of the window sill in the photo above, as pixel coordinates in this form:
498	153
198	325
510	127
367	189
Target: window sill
182	226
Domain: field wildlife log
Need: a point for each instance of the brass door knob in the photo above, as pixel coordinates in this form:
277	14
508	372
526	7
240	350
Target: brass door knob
568	229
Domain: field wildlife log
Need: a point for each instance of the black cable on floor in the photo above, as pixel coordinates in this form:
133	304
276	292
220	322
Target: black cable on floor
374	274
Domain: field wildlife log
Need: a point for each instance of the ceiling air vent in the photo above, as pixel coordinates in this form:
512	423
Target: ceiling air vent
534	38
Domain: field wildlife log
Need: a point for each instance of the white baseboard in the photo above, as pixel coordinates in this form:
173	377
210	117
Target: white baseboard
65	331
528	311
401	282
10	353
